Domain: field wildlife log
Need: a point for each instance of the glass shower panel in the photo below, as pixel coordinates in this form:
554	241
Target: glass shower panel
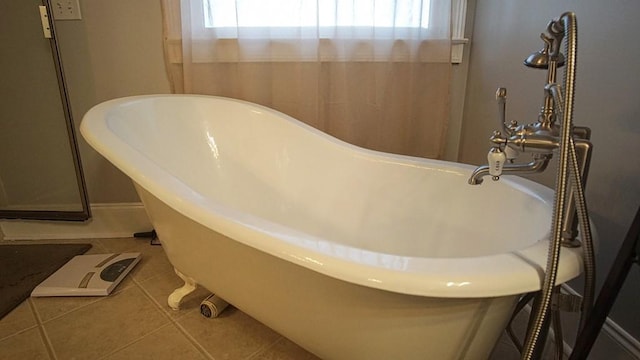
40	174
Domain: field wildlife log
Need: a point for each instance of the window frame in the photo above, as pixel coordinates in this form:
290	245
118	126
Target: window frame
457	28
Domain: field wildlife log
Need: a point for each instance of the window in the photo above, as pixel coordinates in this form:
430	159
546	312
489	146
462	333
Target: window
320	30
312	13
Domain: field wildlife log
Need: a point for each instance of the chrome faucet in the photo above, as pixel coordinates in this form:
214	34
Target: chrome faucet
509	142
540	138
543	138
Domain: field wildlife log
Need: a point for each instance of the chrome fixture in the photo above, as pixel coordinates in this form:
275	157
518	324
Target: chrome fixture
542	139
540	59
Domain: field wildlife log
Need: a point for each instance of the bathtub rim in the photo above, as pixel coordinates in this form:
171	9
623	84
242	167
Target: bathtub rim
501	274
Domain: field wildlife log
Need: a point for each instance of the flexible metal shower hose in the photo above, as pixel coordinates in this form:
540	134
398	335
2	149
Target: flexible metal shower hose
532	348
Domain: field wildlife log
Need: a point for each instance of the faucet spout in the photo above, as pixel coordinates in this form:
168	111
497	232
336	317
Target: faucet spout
535	166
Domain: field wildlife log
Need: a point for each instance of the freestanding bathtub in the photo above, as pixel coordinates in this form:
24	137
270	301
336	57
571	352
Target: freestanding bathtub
350	253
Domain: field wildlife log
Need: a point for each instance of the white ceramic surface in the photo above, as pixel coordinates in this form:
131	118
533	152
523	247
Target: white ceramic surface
391	222
350	253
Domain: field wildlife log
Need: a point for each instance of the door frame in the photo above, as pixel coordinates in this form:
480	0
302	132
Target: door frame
85	213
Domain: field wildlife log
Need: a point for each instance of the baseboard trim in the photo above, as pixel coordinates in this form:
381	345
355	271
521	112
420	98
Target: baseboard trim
622	338
626	341
112	220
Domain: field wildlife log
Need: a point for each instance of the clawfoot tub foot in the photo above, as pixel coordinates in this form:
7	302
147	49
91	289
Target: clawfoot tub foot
178	294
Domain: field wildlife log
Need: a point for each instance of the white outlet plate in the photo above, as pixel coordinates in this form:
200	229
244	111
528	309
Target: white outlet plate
65	10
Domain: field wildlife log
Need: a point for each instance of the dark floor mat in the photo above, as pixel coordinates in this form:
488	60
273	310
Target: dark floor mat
23	267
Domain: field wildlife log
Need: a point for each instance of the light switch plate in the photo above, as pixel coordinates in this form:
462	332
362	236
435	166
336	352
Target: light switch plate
66	10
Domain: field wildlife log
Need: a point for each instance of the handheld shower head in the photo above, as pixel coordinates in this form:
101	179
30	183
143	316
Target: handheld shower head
540	59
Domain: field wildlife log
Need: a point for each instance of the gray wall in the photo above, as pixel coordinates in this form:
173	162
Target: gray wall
608	84
114	51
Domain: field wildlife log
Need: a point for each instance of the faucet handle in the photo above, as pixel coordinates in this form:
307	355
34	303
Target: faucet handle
501	98
496	158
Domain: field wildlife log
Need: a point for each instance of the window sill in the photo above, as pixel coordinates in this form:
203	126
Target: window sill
457	50
228	48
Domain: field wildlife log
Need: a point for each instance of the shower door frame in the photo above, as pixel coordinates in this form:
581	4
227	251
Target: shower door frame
68	215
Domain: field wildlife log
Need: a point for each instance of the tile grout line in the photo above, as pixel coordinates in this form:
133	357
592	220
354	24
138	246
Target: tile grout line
265	348
21	330
18	332
95	300
132	286
40	323
43	332
185	332
133	342
138	282
195	342
88	303
175	323
34	307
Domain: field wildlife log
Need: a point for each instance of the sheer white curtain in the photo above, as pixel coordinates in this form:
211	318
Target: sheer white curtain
375	73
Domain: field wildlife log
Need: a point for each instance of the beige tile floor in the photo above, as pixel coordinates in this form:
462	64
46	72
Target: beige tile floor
134	322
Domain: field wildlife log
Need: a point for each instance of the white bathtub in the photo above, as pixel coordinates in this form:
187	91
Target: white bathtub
351	253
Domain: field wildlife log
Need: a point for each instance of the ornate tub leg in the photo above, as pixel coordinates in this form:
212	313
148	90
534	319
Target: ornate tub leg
178	294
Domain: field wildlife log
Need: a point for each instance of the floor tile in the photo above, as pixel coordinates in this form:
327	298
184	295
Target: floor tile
504	350
167	343
25	345
284	349
153	261
161	285
135	322
99	328
20	319
49	308
233	335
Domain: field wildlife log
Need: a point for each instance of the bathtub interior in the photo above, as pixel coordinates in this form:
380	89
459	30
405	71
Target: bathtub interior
257	161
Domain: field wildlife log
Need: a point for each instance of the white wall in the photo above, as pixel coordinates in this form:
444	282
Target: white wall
608	85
